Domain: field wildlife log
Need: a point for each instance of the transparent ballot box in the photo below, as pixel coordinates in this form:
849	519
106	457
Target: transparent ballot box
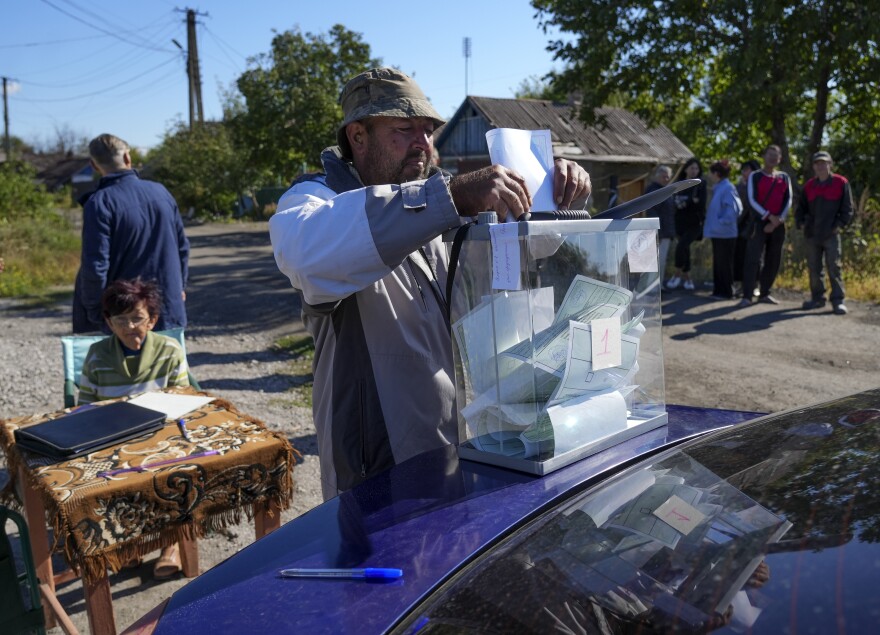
556	338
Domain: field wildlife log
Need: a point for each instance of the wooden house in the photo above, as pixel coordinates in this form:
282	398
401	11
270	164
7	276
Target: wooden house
620	151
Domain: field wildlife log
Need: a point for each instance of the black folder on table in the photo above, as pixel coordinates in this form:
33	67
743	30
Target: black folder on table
90	429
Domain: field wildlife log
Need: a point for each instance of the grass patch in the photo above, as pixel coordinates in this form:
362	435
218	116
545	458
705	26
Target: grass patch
302	349
39	253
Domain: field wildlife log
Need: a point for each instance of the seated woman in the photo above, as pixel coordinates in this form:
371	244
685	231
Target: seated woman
134	360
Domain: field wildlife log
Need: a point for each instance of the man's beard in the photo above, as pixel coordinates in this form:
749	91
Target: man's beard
384	171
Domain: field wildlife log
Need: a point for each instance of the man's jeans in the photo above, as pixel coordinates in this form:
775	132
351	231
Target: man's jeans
819	255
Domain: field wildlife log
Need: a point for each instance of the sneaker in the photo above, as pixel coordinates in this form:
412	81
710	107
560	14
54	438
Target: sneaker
673	283
689	285
809	305
744	303
840	309
767	299
715	296
756	292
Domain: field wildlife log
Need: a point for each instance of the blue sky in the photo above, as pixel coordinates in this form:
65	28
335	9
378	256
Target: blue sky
92	66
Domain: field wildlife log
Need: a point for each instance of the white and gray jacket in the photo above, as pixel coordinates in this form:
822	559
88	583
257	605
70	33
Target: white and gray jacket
371	269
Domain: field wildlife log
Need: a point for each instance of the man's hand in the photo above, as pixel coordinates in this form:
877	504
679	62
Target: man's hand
770	227
493	188
570	182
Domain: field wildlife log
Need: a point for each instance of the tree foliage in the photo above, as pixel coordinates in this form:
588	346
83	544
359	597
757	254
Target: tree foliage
199	167
288	112
727	76
20	196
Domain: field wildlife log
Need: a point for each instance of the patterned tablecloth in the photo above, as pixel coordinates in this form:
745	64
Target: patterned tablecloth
105	521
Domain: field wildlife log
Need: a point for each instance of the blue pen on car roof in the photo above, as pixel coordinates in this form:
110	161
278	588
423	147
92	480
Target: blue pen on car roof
370	573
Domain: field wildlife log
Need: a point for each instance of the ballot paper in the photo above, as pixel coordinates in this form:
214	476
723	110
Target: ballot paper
499	321
586	419
532	371
549	347
584	292
580	377
530	153
174	406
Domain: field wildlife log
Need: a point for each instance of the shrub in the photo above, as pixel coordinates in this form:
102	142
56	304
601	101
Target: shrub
38	253
20	197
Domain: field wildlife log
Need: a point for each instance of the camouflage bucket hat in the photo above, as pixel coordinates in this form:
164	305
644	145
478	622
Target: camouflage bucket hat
382	92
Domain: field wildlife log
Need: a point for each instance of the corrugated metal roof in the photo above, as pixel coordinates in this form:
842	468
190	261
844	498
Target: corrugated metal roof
618	135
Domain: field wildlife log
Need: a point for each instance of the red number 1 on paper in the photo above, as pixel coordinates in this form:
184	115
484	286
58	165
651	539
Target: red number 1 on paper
605	340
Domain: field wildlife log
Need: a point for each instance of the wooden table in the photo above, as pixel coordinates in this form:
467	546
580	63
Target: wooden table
101	521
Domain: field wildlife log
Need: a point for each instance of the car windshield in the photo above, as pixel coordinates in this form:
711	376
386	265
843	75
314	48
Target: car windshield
760	527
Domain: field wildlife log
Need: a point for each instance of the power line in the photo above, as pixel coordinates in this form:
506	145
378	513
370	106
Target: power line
47	43
97	92
106	32
223	46
121	63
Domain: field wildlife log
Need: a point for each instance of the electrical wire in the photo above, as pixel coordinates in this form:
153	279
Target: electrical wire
120	64
49	42
106	32
223	46
103	91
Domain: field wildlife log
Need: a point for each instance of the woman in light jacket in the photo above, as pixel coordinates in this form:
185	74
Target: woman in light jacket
721	226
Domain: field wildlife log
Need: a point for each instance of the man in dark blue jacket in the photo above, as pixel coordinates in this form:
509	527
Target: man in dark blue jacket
131	229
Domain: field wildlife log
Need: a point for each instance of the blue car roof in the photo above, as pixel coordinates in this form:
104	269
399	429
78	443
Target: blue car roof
427	516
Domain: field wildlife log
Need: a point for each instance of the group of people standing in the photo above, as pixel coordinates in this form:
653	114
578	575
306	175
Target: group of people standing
746	224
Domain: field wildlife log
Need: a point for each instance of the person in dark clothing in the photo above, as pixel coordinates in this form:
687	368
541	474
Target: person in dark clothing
825	208
745	221
131	229
665	211
689	217
770	198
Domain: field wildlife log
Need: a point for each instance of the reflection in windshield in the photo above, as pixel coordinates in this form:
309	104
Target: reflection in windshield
668	546
766	527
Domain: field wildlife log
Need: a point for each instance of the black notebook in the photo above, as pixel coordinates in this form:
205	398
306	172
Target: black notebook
89	429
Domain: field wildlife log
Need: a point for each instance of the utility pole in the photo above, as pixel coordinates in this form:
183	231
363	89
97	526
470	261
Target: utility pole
466	50
195	76
193	72
7	144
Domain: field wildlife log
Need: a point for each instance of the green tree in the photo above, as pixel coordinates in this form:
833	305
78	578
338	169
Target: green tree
288	110
199	167
727	75
20	197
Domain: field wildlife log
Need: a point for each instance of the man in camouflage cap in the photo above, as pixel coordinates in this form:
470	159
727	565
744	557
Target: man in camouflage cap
361	242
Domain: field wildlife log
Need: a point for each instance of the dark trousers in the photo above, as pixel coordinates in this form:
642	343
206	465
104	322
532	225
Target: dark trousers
766	247
739	258
829	251
722	266
683	247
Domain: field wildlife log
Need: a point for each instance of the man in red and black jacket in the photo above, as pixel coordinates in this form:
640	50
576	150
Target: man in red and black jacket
770	198
824	209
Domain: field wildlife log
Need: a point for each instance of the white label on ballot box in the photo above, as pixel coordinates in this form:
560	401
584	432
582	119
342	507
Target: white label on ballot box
641	250
505	256
605	339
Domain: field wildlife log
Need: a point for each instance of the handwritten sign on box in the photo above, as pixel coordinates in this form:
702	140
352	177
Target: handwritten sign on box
605	340
505	256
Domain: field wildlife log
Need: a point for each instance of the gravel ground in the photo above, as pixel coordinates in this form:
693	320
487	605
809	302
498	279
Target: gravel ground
762	358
